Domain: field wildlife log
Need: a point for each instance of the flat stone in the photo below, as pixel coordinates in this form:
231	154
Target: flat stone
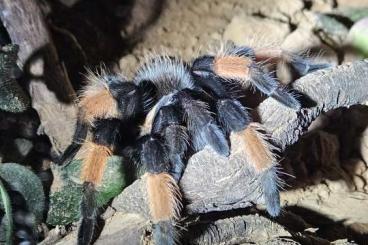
322	5
352	3
255	31
128	64
123	229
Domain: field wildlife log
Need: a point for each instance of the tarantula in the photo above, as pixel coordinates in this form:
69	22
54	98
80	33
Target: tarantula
183	108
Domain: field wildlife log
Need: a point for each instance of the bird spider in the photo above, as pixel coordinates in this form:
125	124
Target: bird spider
180	108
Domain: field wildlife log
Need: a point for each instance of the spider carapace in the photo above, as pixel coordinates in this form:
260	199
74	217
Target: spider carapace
180	108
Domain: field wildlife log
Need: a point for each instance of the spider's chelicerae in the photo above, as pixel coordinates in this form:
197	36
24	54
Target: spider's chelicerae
183	107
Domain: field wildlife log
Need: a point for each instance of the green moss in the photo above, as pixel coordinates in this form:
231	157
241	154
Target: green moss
24	181
66	192
64	205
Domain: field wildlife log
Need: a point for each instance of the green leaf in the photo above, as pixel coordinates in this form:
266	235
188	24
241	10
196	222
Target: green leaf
354	14
66	190
5	200
27	183
358	36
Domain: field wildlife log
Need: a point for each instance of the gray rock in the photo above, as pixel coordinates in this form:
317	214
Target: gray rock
255	31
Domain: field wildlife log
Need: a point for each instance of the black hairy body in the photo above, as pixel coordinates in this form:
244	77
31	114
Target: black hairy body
184	107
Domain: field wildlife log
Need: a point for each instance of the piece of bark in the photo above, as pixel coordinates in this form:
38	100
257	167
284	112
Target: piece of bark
49	87
237	230
215	183
246	229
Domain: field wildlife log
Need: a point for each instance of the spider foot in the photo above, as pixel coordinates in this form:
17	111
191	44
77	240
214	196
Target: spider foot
305	66
164	232
271	191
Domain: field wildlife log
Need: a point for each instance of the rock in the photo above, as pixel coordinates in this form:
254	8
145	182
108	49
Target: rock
351	3
328	29
363	143
332	32
301	39
128	65
66	190
214	195
15	150
54	235
354	166
283	11
126	228
23	146
331	199
142	14
314	158
255	31
304	39
350	55
343	242
123	229
70	239
321	5
359	183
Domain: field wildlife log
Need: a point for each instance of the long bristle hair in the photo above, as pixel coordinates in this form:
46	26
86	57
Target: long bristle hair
260	153
167	73
164	199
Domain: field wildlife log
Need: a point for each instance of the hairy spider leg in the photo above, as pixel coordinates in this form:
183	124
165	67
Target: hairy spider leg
98	106
107	104
80	134
242	68
96	102
105	134
164	198
302	65
231	114
260	153
202	126
168	124
269	86
234	117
